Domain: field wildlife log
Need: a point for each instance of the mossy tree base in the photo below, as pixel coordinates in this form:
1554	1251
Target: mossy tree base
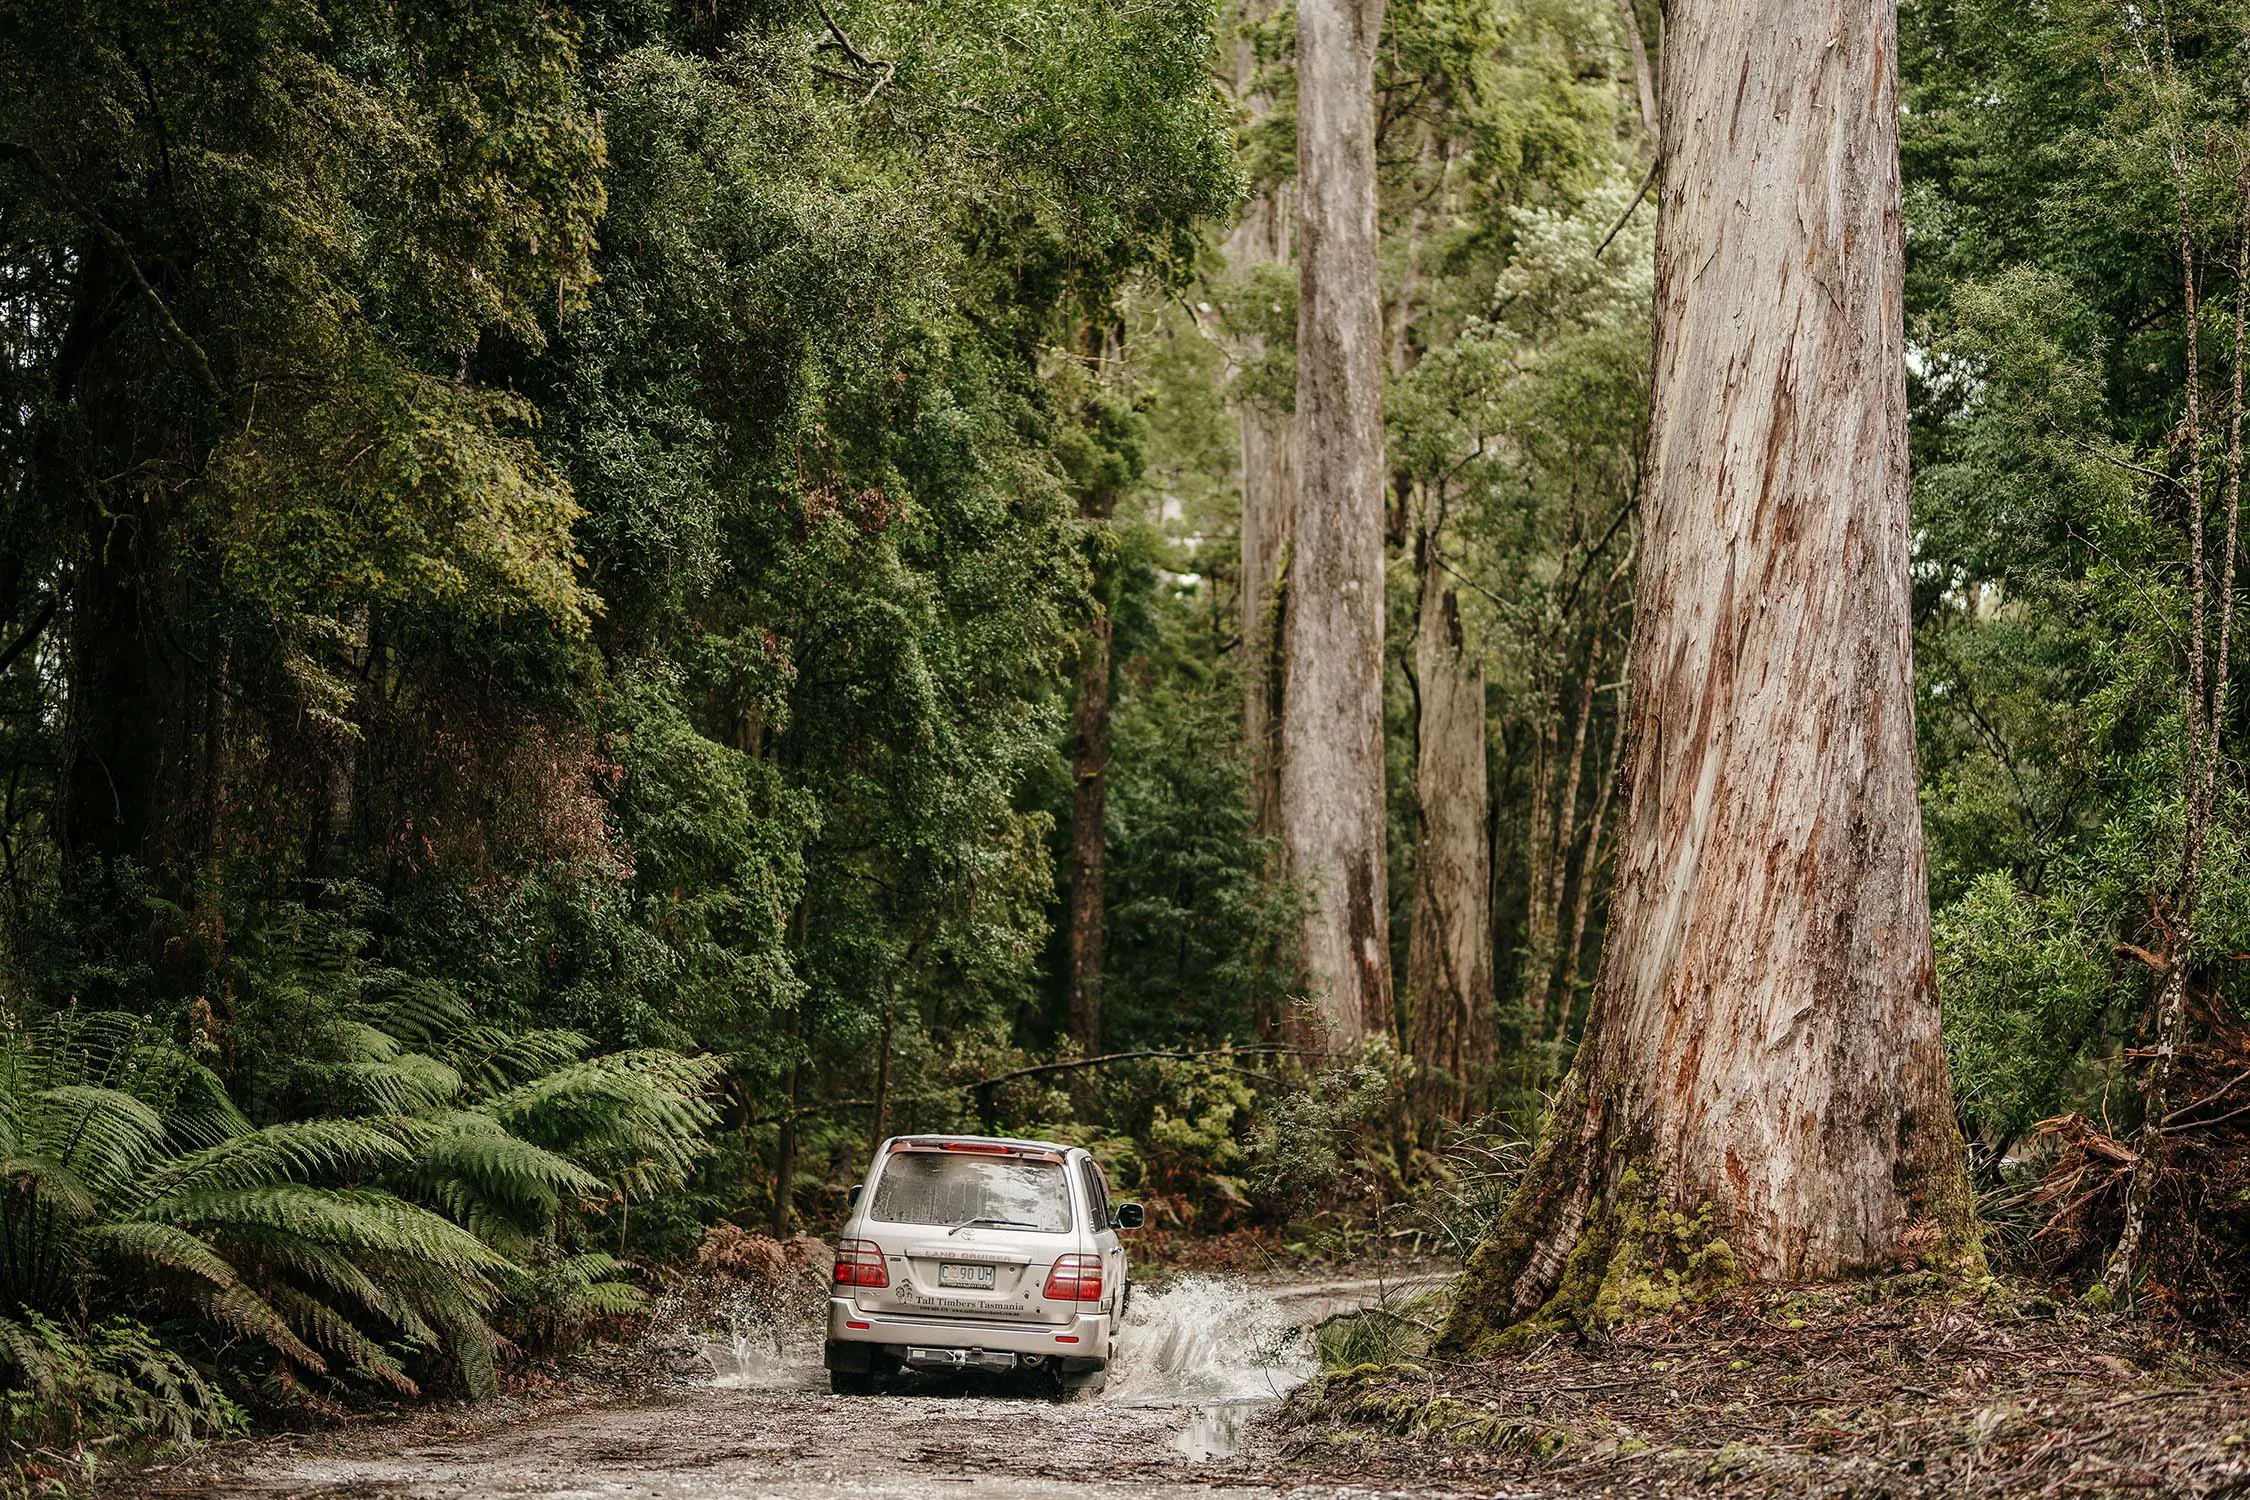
1600	1232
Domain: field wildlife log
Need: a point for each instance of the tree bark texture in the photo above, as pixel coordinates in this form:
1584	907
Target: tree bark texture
1332	814
1763	1041
1450	1020
1261	238
1267	493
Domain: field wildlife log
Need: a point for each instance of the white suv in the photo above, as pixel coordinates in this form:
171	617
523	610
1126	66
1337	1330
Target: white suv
977	1253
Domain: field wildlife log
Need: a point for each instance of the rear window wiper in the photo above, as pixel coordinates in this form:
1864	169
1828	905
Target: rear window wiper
995	1223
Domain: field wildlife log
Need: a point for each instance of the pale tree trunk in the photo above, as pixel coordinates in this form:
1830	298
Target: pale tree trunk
1266	495
1644	80
1332	815
1261	238
1763	1042
1450	1031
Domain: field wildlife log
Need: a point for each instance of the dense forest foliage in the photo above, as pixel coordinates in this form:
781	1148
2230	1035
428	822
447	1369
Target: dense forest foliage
567	574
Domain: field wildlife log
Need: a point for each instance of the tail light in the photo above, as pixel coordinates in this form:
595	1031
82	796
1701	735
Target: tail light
1075	1278
860	1263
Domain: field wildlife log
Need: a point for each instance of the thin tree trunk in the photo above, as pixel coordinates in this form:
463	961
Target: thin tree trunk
1566	827
1539	846
2204	702
1589	881
1449	949
785	1161
1332	812
1644	79
1089	807
1763	1043
1088	817
882	1107
1267	483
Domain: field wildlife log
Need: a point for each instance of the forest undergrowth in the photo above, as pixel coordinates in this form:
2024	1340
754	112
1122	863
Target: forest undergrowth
1906	1386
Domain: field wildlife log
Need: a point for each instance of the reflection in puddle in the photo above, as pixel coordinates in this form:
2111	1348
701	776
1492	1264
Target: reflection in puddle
1216	1431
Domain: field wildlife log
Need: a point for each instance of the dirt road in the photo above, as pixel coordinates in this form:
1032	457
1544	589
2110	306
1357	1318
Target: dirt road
1187	1413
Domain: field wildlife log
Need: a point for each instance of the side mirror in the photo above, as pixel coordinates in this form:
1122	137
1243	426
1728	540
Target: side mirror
1130	1216
851	1199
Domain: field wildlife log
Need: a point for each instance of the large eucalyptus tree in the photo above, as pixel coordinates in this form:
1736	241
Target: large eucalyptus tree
1763	1047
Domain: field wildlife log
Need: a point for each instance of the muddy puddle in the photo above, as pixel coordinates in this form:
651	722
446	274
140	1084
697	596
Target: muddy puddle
1202	1365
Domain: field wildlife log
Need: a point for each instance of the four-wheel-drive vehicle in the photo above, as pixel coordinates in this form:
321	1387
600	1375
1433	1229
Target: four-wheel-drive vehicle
978	1253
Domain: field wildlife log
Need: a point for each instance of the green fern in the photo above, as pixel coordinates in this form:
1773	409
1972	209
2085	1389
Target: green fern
438	1181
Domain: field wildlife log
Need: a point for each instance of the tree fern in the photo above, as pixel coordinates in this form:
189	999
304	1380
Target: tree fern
435	1187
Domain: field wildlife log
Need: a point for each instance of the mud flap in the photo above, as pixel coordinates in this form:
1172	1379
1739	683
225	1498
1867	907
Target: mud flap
848	1359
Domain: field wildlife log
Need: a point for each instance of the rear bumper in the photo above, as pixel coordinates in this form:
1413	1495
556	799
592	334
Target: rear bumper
1082	1340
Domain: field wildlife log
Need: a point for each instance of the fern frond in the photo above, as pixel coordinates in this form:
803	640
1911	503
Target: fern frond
49	1184
276	1154
423	1012
473	1345
23	1351
102	1135
492	1060
357	1219
505	1171
360	1042
203	1114
243	1310
639	1120
323	1325
162	1247
406	1084
363	1277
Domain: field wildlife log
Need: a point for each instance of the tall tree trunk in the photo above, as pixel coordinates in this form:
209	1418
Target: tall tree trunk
1267	488
1450	1030
1261	238
1763	1043
1332	814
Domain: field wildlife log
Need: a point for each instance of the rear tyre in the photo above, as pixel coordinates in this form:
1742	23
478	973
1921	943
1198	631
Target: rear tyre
851	1382
1085	1382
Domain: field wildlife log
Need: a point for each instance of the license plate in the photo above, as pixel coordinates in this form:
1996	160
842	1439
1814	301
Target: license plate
949	1274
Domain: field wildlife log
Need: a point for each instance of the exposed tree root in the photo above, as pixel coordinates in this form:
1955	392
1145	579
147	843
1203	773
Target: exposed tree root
2193	1261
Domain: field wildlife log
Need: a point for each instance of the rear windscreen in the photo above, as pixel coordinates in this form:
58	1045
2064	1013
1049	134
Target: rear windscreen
938	1187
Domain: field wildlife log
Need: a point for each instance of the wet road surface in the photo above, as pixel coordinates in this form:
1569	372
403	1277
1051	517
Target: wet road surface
1188	1412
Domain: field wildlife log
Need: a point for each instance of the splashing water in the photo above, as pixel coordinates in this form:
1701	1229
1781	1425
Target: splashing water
1200	1341
744	1344
1206	1339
